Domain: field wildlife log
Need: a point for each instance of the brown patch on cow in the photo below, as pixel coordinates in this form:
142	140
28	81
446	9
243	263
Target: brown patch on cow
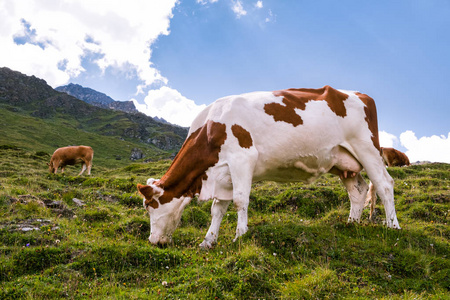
199	152
371	117
394	158
243	136
297	99
147	192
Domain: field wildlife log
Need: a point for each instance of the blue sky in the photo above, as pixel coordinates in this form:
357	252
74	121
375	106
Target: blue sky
175	57
397	52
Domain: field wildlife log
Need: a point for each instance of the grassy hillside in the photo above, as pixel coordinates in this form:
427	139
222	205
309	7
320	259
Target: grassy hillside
39	135
299	245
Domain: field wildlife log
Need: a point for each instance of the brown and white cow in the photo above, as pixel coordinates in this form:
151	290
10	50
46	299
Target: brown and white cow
286	135
394	158
71	155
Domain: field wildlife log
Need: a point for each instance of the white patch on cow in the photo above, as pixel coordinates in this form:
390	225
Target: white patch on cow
165	219
218	185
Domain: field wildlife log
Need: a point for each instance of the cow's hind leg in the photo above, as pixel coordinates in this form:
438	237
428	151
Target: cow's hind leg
82	169
382	181
89	166
385	190
218	210
357	190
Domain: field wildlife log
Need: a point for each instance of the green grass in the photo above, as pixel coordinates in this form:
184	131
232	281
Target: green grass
45	136
299	245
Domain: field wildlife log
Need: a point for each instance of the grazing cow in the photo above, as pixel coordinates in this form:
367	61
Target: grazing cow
394	158
71	155
286	135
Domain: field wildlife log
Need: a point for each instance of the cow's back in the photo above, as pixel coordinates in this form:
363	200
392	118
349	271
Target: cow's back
72	152
280	141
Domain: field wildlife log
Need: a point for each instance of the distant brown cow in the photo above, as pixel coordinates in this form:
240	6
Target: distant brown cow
394	158
71	155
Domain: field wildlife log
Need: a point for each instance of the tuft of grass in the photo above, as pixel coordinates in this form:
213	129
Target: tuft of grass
321	283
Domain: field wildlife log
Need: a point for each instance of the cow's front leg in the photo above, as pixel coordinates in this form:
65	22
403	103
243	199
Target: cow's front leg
241	203
218	210
241	176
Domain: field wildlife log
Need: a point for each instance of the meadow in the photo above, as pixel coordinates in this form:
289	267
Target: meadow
299	244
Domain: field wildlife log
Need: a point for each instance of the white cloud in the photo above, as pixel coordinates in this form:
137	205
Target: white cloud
270	18
170	105
387	140
238	9
204	2
50	40
433	148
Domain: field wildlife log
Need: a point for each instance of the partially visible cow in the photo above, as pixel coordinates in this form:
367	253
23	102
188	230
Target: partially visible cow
71	155
394	158
286	135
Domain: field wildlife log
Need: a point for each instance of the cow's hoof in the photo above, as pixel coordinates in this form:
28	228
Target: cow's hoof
394	226
236	238
240	231
206	245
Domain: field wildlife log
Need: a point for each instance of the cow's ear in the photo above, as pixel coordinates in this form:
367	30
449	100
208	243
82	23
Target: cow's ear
146	191
48	164
149	191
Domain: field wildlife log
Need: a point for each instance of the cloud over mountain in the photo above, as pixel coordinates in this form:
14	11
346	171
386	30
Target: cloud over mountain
60	36
169	104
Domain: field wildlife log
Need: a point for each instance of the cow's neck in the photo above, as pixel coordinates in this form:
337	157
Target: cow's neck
199	152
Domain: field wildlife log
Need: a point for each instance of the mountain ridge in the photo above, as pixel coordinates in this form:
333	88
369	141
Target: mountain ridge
32	96
96	98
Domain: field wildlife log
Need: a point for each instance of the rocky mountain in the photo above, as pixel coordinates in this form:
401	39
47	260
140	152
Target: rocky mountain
96	98
31	96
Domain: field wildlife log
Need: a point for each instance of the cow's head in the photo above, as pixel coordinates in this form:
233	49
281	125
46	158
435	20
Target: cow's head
164	217
51	169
